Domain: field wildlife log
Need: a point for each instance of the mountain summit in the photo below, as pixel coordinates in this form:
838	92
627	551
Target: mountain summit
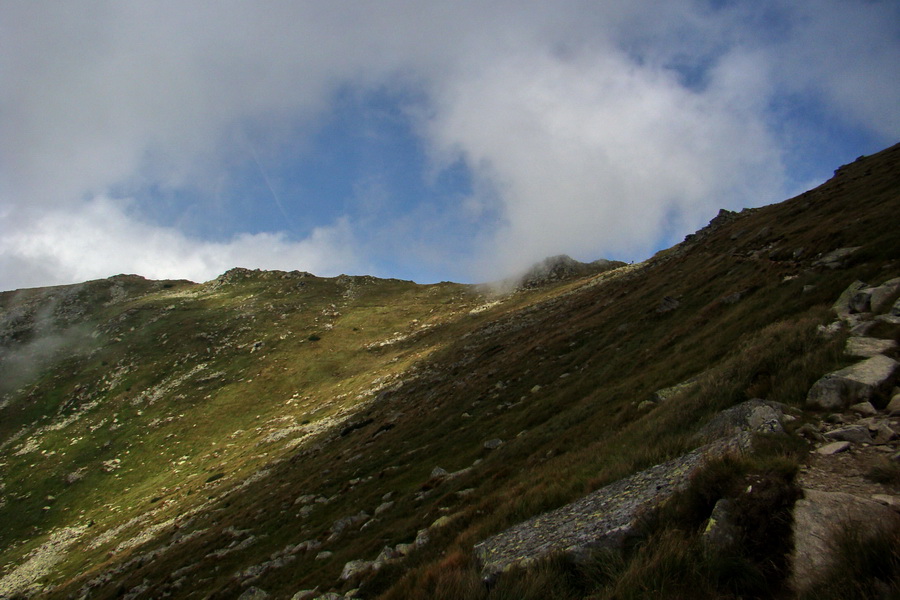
717	421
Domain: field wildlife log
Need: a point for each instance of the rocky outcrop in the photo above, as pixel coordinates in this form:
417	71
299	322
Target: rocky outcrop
866	381
604	518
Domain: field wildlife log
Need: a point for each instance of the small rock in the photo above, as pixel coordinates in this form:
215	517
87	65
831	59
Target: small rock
809	431
385	506
354	568
254	593
306	594
855	433
324	555
836	258
884	433
646	405
422	538
893	407
439	473
892	501
535	389
441	522
667	304
880	295
721	533
865	409
833	448
493	444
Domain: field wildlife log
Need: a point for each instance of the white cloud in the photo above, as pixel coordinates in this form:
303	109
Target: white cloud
594	154
100	238
591	128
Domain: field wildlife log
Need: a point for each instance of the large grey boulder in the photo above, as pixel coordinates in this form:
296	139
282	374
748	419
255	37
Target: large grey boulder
605	518
862	382
818	518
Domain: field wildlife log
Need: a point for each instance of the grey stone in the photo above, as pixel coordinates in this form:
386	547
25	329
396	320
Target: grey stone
862	328
884	434
836	258
855	433
880	295
305	594
830	330
667	304
355	568
843	306
439	473
893	407
833	448
253	593
604	518
818	517
721	534
857	383
864	408
324	555
384	506
890	319
753	415
866	347
493	444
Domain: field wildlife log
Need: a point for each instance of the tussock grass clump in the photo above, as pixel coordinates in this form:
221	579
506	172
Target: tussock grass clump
866	567
884	471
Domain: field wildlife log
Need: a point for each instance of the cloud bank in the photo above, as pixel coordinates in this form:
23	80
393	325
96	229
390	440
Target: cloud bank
595	129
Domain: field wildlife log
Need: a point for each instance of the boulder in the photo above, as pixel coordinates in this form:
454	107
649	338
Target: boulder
866	347
861	382
818	517
855	433
605	518
755	416
253	593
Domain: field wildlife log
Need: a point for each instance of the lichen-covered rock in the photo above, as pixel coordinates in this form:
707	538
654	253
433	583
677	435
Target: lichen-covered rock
857	383
754	415
604	518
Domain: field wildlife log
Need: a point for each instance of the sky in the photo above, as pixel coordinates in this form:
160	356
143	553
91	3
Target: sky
430	140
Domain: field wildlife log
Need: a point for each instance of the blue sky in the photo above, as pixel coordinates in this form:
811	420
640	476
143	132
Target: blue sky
420	140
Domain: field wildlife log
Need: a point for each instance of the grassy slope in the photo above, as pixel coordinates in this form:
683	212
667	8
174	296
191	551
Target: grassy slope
596	347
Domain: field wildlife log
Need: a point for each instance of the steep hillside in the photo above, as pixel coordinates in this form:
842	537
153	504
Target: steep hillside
265	430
